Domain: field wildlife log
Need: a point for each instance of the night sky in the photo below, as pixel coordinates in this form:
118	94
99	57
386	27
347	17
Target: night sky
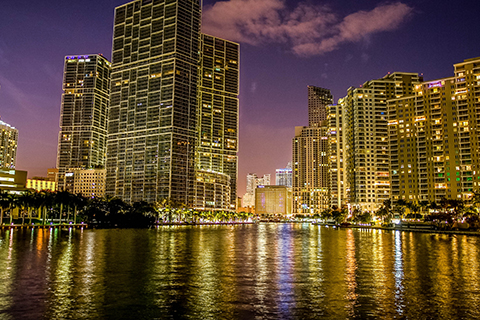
285	46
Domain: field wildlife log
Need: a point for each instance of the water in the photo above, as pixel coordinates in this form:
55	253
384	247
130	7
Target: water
265	271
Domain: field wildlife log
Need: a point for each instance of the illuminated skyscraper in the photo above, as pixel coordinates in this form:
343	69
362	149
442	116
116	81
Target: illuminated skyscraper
217	124
310	170
152	130
366	131
433	138
310	156
83	118
8	145
338	186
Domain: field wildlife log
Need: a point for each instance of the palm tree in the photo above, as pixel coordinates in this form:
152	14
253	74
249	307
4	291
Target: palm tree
4	204
62	198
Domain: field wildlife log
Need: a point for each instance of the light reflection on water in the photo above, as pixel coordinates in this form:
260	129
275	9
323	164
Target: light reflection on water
265	271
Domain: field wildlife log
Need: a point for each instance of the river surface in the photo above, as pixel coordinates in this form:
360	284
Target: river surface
261	271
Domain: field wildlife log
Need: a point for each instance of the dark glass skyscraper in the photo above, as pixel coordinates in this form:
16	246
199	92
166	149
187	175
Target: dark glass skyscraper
318	100
152	119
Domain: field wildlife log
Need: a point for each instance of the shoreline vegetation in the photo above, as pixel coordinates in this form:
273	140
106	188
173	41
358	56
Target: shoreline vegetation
62	209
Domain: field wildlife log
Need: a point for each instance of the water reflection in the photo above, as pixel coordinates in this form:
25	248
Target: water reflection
266	271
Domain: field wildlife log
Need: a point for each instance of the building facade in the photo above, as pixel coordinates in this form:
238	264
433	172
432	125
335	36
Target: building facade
318	100
87	182
434	137
273	201
338	183
41	184
283	177
310	170
8	145
83	118
217	118
366	126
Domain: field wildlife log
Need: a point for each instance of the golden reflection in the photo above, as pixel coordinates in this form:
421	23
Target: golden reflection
262	275
350	273
7	269
62	281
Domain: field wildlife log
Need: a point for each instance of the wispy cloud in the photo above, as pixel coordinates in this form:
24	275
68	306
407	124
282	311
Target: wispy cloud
308	29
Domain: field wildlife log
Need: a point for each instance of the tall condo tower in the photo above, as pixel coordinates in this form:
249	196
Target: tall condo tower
8	145
83	118
310	160
152	129
217	124
365	124
318	100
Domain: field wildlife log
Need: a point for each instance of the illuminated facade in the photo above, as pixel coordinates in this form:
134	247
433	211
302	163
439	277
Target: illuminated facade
83	118
310	156
212	191
39	184
273	200
366	131
87	182
8	145
152	131
217	118
13	181
338	183
434	141
310	170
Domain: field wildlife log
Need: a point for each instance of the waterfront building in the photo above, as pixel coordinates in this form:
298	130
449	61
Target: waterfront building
174	114
283	177
41	184
318	99
13	181
83	117
366	132
273	200
217	123
337	184
310	156
8	145
433	138
87	182
310	170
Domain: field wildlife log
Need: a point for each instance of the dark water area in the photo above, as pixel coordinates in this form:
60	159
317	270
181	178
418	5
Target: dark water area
263	271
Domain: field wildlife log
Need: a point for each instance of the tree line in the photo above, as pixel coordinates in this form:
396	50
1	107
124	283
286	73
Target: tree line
63	207
448	210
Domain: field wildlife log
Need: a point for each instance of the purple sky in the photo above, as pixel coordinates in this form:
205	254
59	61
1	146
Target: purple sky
285	46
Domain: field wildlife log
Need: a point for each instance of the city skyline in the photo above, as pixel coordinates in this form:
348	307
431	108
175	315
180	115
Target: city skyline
274	74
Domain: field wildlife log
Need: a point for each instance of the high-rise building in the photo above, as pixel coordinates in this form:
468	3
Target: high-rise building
337	185
152	131
283	177
310	156
318	100
83	118
253	181
310	170
8	145
217	123
433	138
366	126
